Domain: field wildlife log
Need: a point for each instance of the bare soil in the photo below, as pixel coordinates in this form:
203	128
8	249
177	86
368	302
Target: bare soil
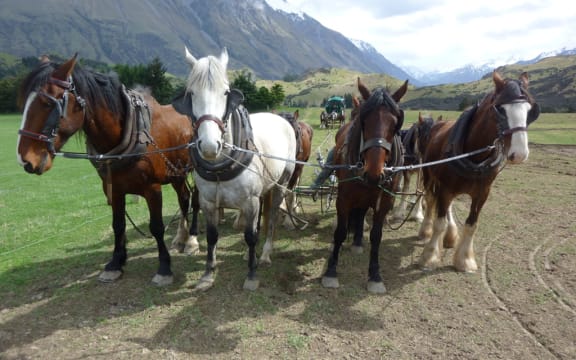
521	304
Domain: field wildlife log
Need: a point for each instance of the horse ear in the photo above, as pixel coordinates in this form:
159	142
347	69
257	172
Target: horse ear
533	114
224	57
363	90
524	79
355	102
400	92
296	115
183	104
65	70
189	58
400	120
498	80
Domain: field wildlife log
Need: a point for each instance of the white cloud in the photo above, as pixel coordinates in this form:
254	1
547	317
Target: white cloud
443	35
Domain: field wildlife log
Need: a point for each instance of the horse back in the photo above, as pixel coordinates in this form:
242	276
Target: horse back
275	137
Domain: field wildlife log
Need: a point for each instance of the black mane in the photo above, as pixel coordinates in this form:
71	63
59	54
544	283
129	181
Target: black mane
99	90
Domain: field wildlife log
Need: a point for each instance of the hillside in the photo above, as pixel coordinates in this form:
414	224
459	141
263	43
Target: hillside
270	42
552	83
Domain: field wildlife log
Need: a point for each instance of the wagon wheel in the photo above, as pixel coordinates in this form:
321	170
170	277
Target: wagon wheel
323	117
328	195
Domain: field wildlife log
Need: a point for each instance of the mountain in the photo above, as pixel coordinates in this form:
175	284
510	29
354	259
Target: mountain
270	42
470	73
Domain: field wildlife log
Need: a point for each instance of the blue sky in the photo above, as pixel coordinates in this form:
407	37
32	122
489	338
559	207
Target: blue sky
447	34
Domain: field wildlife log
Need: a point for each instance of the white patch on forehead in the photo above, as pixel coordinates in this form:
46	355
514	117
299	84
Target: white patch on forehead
29	101
517	114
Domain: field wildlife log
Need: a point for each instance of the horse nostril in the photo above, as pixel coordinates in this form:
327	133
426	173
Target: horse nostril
28	168
511	157
199	145
219	144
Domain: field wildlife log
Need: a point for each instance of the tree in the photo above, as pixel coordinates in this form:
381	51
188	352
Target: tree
151	75
8	88
277	95
243	82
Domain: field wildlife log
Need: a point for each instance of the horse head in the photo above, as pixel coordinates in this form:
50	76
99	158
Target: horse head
421	136
515	109
52	113
208	101
372	130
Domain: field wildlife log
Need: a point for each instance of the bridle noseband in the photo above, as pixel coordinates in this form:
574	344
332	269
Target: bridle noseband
502	118
50	129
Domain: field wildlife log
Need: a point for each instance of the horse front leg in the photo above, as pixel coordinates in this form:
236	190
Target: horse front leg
164	274
356	221
375	283
207	280
330	278
464	259
113	269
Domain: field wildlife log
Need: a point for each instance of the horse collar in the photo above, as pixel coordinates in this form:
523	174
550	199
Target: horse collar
237	160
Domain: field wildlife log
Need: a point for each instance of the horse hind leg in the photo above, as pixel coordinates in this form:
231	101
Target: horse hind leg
426	227
251	238
400	207
431	255
186	238
272	202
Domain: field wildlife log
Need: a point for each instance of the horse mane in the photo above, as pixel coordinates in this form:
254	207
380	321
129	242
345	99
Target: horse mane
207	73
379	97
99	90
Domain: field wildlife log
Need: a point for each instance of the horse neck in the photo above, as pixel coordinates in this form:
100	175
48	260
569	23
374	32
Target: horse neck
483	130
104	129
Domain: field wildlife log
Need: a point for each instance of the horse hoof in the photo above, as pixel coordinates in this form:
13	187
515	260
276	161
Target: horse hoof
357	249
162	280
109	276
192	250
376	287
251	284
205	283
330	282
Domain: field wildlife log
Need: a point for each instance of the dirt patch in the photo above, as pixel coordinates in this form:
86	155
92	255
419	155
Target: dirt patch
521	304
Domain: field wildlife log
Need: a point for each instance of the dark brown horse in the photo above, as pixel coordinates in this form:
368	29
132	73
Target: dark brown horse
412	156
371	140
492	133
141	144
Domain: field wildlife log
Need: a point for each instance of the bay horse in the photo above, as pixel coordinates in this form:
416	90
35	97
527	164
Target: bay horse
130	130
240	160
412	156
370	140
304	135
494	133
